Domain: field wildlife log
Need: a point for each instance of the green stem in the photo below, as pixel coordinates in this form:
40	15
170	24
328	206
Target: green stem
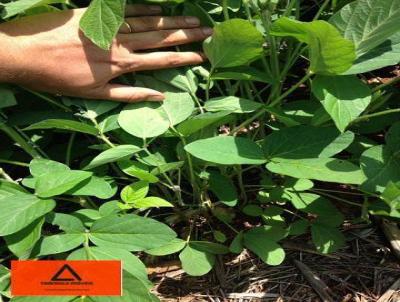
376	114
5	175
384	85
69	149
15	163
49	100
338	198
225	9
208	85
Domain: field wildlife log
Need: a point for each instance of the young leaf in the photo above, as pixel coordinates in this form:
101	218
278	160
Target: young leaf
57	183
130	232
102	20
343	97
135	191
56	244
327	239
235	42
323	169
231	103
152	202
18	211
227	150
112	155
195	262
330	53
201	121
289	143
243	73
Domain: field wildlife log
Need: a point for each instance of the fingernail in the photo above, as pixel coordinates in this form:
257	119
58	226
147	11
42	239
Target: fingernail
192	21
208	31
155	8
155	97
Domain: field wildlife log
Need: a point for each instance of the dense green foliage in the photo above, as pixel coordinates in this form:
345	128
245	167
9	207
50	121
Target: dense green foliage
279	124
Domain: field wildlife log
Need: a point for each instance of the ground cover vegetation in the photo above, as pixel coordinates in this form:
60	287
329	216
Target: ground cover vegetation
250	149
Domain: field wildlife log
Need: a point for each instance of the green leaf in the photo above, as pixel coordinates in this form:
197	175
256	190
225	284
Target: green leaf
152	202
112	155
172	247
200	122
323	169
66	222
223	188
14	8
7	97
183	79
67	125
209	247
236	246
232	103
138	170
227	150
327	239
22	242
144	119
262	241
368	23
57	183
94	186
8	188
195	262
234	43
330	53
102	20
253	210
243	73
343	97
41	166
135	191
61	243
288	143
95	108
380	165
130	262
130	232
18	211
177	107
299	227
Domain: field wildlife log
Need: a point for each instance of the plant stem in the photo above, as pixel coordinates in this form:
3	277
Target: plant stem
69	149
338	198
49	100
15	163
5	175
225	9
376	114
209	84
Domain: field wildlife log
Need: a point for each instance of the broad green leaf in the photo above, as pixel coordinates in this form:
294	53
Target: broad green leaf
113	155
66	222
130	232
22	242
235	42
201	121
195	262
386	54
164	168
61	243
236	246
343	97
183	79
102	20
296	184
8	188
380	166
18	211
40	166
327	239
95	108
209	247
5	281
138	170
299	227
7	98
152	202
130	262
368	23
253	210
232	103
144	119
66	125
177	107
135	191
14	8
325	212
243	73
223	188
57	183
323	169
172	247
94	186
330	53
263	242
109	208
227	150
289	143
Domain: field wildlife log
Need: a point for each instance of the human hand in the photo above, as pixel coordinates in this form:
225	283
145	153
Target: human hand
48	52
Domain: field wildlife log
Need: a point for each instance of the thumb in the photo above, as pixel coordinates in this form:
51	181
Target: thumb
129	94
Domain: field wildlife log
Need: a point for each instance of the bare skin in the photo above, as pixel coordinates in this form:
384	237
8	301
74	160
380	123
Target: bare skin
49	53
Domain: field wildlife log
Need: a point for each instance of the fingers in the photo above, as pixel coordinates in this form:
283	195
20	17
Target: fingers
128	94
143	24
162	60
164	38
142	10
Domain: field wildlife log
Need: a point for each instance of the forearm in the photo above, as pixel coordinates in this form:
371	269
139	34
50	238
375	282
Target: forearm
10	58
